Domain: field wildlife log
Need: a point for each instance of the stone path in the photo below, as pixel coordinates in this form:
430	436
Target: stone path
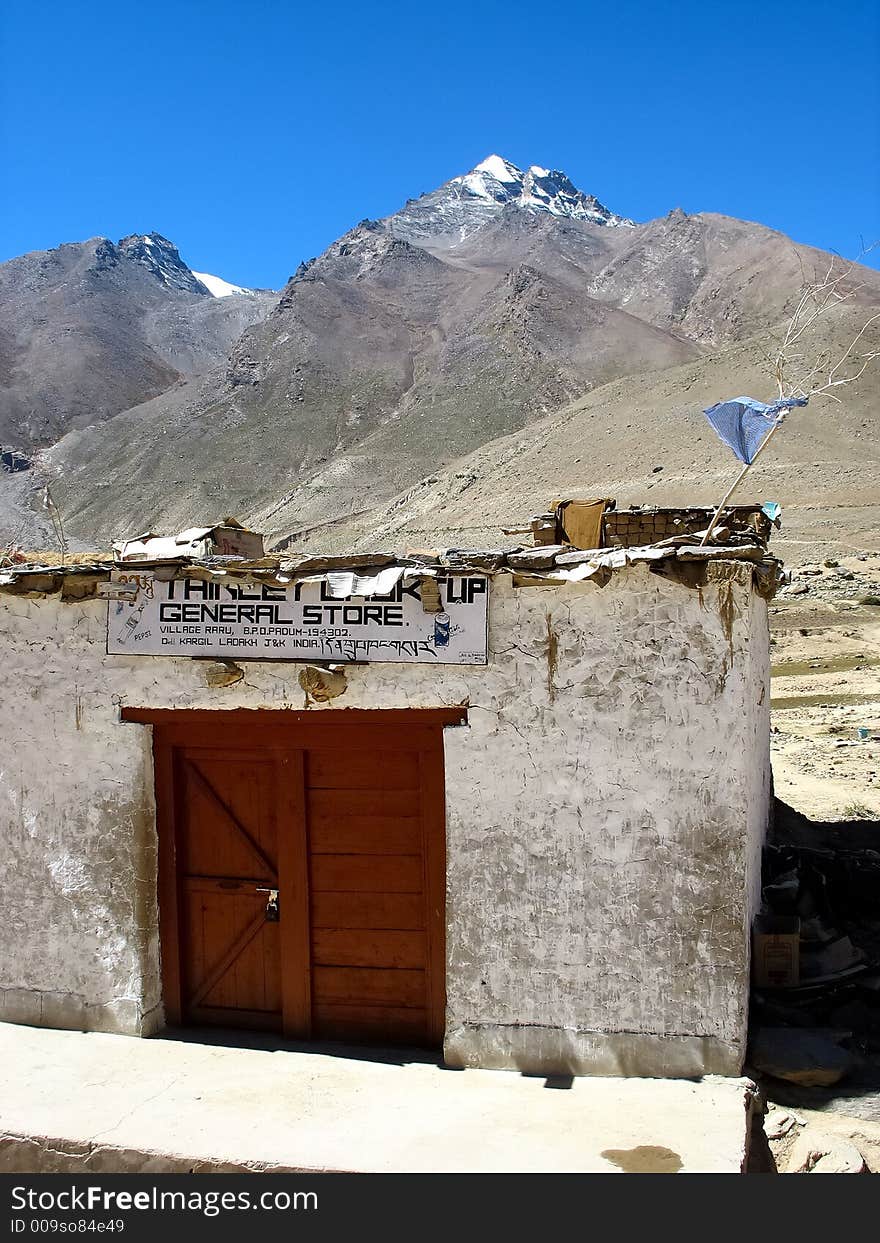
74	1101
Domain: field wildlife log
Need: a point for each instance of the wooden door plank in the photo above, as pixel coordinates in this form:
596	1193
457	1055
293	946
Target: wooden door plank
363	770
433	806
170	941
378	1024
367	835
237	1018
273	969
324	734
371	985
401	911
366	873
293	882
375	802
360	947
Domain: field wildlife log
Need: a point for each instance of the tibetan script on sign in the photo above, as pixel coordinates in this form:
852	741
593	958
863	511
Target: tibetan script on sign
303	621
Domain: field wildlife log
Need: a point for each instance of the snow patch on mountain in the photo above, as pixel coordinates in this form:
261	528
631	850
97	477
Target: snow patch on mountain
220	288
499	169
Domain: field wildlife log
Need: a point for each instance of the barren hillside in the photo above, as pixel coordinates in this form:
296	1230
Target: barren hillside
644	440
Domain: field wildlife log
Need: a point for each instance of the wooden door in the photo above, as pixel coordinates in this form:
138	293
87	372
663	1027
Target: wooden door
230	803
343	815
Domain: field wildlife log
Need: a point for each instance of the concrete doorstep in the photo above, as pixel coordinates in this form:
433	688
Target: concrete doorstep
91	1103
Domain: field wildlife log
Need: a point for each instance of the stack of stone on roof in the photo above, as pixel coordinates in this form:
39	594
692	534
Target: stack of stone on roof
668	540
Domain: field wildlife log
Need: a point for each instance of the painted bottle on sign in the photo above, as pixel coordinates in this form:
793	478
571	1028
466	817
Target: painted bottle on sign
441	630
132	623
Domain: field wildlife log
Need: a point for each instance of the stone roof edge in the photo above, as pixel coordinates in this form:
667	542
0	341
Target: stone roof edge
553	564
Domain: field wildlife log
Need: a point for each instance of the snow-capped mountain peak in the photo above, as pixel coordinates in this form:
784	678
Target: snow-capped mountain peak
457	209
536	189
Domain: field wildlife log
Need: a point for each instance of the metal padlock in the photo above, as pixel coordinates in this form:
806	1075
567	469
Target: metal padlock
272	912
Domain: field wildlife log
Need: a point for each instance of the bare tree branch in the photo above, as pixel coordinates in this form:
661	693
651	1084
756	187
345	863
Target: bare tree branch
819	297
793	376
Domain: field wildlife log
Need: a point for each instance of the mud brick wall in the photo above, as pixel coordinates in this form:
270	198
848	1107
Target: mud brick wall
631	528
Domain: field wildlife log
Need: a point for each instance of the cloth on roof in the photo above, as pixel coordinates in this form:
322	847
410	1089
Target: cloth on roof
743	423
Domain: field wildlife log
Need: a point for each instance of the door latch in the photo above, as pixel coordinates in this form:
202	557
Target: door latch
272	914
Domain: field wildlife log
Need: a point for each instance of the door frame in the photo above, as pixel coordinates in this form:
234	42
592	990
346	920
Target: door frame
288	733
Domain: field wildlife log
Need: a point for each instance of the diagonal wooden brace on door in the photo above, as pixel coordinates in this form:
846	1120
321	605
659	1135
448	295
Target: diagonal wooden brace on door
236	948
231	816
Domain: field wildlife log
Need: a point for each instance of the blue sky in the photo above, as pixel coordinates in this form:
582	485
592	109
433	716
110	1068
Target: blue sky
254	133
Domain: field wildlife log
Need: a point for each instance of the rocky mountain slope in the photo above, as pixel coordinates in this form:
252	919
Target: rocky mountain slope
93	328
425	339
644	440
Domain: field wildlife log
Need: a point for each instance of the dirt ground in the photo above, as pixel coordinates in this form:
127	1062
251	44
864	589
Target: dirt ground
825	689
776	1151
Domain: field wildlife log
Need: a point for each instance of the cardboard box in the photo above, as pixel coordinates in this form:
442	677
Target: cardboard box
543	528
776	943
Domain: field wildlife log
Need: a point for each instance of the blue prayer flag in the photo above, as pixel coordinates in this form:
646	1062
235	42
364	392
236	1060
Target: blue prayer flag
743	423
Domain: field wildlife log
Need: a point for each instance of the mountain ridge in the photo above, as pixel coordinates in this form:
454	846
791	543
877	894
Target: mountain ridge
404	348
89	329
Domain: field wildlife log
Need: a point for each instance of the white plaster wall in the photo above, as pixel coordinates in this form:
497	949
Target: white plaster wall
759	769
605	807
